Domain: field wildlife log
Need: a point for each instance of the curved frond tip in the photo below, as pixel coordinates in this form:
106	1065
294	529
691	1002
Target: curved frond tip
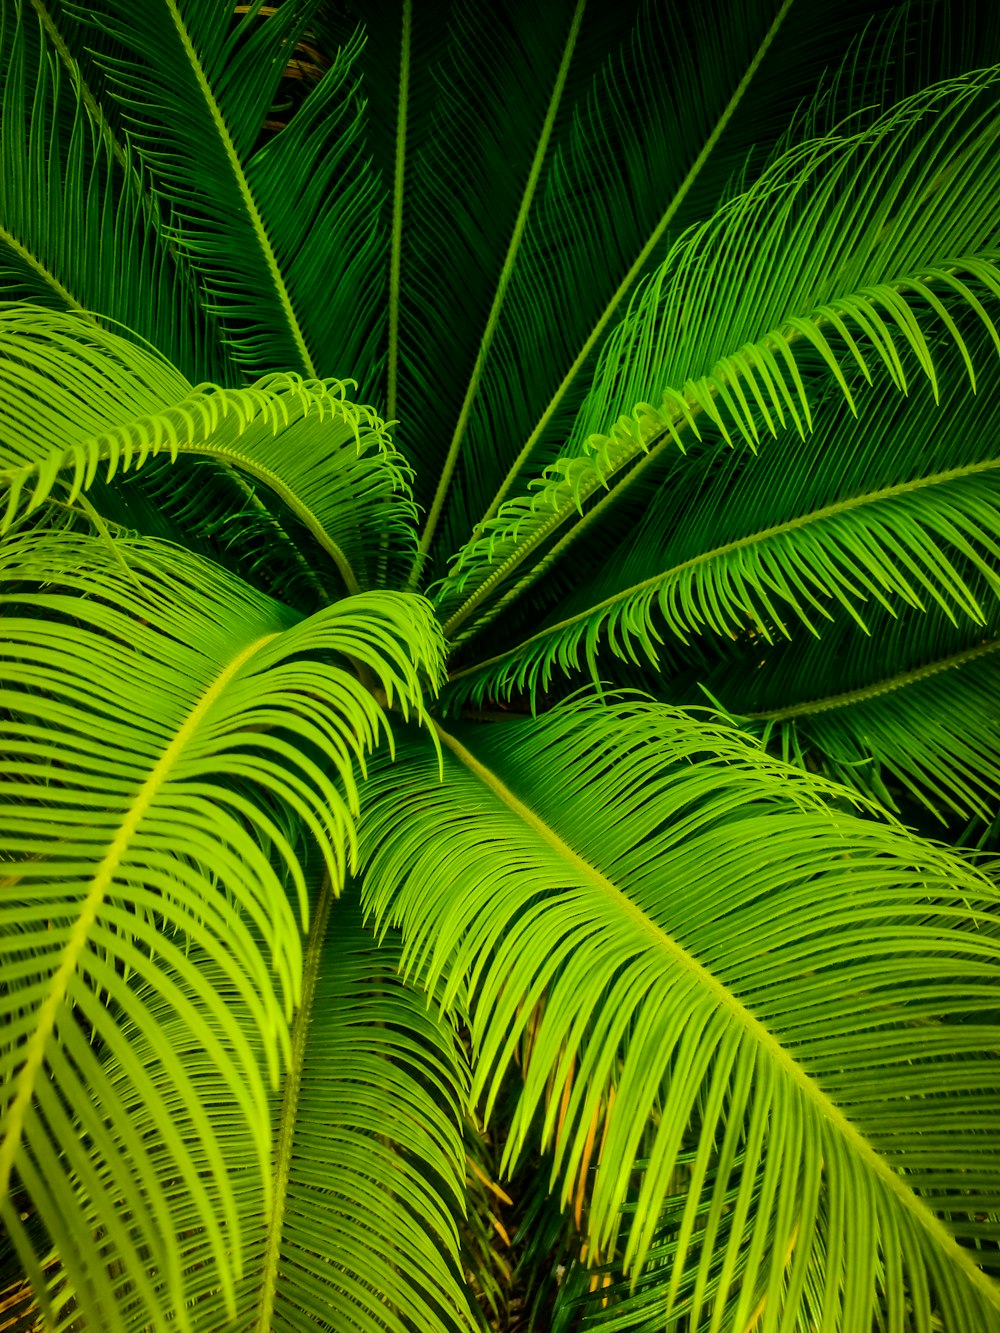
78	399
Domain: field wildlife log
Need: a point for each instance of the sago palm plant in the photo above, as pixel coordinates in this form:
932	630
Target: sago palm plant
517	853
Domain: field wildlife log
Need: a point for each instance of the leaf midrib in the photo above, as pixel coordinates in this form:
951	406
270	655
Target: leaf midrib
246	194
828	1110
493	318
285	1139
101	883
887	685
741	543
399	180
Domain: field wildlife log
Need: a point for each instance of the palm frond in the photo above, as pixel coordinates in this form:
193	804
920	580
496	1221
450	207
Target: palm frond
905	715
888	510
77	397
79	229
361	1231
849	241
281	236
499	295
929	727
714	933
150	700
370	1162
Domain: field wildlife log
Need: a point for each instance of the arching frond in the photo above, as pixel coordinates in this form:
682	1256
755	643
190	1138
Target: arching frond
159	717
360	1232
896	508
713	934
76	398
907	714
930	728
843	247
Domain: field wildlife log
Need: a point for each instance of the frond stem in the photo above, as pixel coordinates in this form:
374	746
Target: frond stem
285	1140
886	686
655	449
90	102
494	316
47	276
285	493
654	239
396	251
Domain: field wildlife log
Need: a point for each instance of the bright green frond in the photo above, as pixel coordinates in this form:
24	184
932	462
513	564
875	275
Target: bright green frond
366	1161
369	1159
281	235
161	1068
725	965
850	231
160	717
77	397
845	249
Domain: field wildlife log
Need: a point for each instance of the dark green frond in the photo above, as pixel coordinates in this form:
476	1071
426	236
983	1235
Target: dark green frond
79	228
281	236
931	728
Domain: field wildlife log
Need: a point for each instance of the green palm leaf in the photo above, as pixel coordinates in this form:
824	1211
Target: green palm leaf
148	743
280	235
929	728
849	241
77	397
360	1231
370	1151
713	933
78	228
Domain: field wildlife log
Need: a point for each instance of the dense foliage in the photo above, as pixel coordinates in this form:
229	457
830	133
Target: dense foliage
501	556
